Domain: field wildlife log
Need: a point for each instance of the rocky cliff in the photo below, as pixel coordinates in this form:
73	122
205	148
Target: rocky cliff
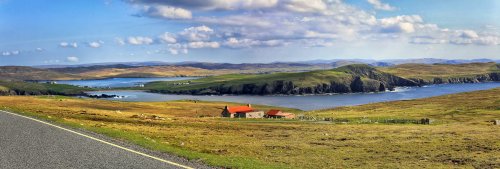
360	78
490	77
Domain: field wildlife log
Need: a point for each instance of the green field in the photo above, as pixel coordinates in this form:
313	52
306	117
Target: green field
461	134
429	72
28	88
281	83
339	80
303	79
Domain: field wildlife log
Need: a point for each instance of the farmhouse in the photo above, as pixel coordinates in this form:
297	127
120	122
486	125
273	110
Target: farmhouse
241	112
279	114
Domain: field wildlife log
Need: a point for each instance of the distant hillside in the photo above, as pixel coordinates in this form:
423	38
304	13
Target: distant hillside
185	69
446	73
439	61
163	69
346	79
152	71
28	88
244	66
29	73
83	69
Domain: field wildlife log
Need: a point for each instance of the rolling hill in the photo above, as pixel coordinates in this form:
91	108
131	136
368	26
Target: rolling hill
446	73
30	73
346	79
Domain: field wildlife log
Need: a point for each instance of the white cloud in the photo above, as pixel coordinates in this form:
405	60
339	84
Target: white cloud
317	43
40	49
72	59
240	43
68	45
200	33
314	34
120	41
140	40
94	44
167	12
173	51
263	23
212	4
236	20
400	24
167	38
469	34
488	40
305	5
377	4
11	53
203	45
177	48
51	61
427	40
247	43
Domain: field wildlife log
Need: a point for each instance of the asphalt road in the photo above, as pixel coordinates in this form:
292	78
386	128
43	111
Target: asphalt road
29	143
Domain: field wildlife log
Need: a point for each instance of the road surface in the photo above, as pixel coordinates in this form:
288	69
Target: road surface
30	143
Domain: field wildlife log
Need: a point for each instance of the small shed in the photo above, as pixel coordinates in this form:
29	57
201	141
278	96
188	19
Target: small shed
279	114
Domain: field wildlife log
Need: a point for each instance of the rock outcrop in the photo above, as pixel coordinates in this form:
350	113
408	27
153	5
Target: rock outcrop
363	78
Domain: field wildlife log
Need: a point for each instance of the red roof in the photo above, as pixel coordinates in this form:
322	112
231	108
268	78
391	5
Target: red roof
239	109
273	112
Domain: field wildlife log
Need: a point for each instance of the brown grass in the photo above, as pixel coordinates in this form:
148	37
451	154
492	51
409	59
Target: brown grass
426	71
461	137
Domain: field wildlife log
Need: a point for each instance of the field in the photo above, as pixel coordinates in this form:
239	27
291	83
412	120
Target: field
29	73
460	135
173	71
152	71
338	80
302	79
428	72
27	88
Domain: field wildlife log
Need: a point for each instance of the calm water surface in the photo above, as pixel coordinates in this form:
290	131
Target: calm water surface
118	82
312	102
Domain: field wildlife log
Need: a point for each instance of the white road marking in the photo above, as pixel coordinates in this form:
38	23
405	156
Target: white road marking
102	141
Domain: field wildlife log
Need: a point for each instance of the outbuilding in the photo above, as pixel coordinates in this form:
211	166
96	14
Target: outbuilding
279	114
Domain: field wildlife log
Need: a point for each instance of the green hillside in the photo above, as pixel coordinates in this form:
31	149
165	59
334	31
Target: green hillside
428	72
30	73
346	79
27	88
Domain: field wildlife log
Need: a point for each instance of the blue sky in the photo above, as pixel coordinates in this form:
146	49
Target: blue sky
46	32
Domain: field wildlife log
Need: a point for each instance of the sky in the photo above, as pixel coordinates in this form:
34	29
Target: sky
62	32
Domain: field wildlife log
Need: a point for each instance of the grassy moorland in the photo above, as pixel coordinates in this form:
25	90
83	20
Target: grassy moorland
29	73
28	88
461	135
346	79
303	79
429	72
174	71
153	71
118	70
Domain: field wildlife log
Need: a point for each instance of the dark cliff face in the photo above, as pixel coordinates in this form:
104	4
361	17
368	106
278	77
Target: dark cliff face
491	77
7	93
29	93
363	79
